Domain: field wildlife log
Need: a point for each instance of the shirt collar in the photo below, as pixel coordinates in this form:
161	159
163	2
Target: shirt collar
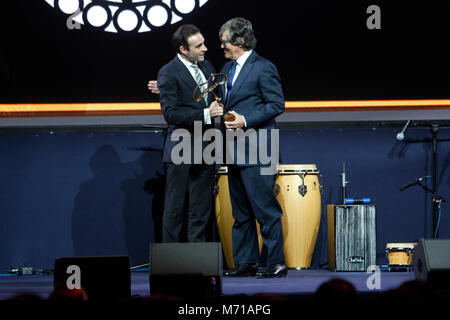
187	63
241	60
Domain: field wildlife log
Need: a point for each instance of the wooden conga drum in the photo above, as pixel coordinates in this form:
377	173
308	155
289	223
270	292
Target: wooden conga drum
224	217
400	254
298	192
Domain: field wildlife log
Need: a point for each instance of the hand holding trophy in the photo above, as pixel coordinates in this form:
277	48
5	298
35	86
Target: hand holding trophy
211	84
229	117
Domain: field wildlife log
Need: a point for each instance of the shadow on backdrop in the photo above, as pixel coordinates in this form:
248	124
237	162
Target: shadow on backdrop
142	213
112	212
97	220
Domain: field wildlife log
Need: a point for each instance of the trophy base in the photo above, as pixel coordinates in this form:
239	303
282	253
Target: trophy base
229	117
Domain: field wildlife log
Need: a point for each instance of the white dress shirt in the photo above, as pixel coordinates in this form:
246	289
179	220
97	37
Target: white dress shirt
240	62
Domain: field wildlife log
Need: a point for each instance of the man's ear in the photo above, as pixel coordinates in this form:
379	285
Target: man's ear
240	41
183	49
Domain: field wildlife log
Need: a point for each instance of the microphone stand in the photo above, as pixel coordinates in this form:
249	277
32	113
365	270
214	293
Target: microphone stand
344	183
401	134
436	198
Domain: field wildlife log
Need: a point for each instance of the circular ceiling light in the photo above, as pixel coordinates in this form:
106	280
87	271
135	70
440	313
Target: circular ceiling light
126	15
184	6
128	20
157	16
97	16
68	6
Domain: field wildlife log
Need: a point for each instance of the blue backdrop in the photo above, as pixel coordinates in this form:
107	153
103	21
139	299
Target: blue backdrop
99	193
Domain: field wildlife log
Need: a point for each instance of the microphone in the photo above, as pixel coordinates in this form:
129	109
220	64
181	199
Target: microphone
401	134
418	180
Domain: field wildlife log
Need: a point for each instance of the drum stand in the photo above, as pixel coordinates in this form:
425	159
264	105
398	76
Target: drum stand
436	198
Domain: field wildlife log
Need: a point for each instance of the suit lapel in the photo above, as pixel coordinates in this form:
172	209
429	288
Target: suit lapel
225	69
186	76
184	73
245	71
207	73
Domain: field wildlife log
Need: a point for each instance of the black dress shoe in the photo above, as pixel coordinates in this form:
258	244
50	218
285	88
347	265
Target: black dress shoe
242	270
273	271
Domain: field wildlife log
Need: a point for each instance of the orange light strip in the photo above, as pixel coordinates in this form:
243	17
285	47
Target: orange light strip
154	108
74	109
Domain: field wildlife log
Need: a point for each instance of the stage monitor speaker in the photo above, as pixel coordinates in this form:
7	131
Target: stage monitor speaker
105	277
186	269
431	262
352	244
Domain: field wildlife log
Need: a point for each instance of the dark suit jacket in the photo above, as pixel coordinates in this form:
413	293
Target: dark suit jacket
257	95
180	110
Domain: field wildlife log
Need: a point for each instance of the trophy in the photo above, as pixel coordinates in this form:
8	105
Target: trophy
212	84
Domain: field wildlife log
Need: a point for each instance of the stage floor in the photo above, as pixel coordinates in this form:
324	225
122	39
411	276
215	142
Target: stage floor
298	282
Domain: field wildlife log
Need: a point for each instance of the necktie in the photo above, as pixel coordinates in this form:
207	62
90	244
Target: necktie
230	80
198	79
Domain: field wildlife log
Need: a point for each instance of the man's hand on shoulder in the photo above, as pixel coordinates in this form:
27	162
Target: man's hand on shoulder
153	86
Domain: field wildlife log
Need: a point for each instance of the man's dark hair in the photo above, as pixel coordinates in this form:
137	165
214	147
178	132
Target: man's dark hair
241	33
180	36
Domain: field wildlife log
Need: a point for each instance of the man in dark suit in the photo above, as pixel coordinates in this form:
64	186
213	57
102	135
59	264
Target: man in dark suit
189	178
253	94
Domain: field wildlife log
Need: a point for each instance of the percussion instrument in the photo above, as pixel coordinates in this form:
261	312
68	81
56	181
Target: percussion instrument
298	192
400	254
352	241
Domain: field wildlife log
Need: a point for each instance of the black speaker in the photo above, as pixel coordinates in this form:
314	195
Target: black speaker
186	269
100	277
431	262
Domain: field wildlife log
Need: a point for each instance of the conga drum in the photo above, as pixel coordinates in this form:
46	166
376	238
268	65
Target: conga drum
224	217
400	254
298	192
